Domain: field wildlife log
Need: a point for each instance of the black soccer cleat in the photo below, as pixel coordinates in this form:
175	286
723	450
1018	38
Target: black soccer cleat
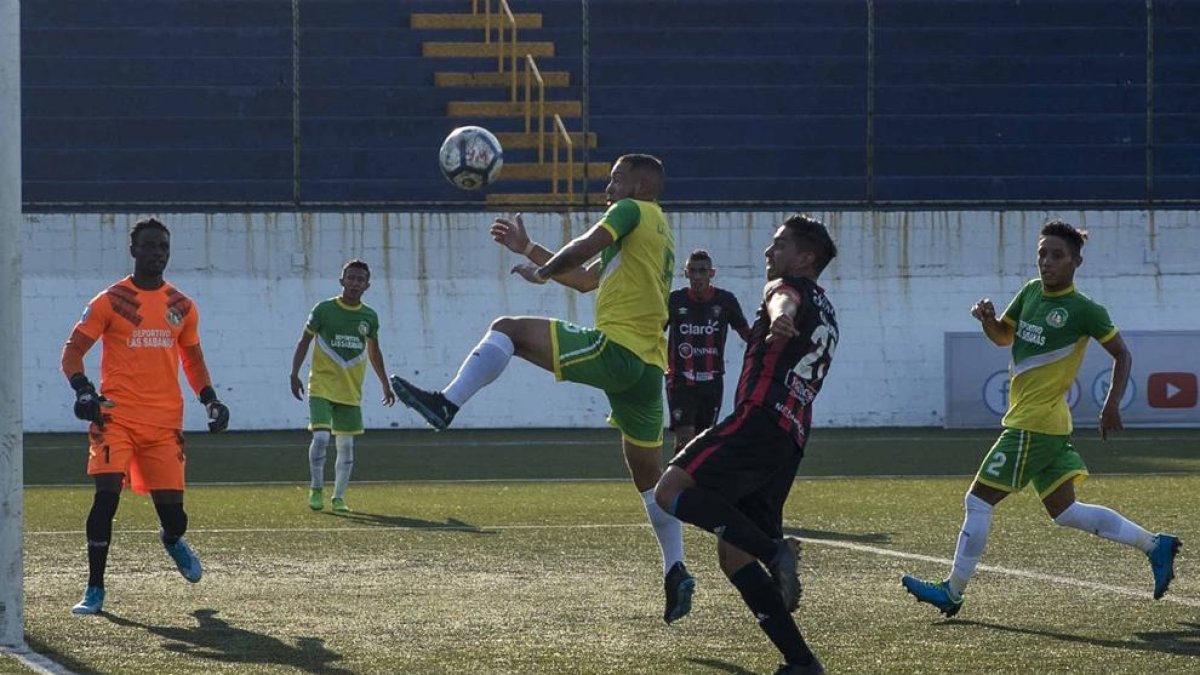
678	586
785	572
431	405
813	668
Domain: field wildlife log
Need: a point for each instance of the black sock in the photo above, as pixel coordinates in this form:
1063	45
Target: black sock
99	534
174	522
762	597
709	510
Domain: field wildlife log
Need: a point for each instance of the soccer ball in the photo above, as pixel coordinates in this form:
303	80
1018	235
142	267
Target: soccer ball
471	158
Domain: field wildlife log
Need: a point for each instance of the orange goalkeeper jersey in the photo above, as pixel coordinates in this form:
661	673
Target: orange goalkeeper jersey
142	332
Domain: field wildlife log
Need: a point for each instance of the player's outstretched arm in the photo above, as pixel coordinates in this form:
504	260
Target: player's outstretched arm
512	235
298	357
376	358
999	332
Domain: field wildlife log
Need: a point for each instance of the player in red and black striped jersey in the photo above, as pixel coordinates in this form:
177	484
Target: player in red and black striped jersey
699	318
734	478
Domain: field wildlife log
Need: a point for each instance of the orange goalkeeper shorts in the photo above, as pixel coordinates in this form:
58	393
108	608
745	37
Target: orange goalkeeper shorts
152	458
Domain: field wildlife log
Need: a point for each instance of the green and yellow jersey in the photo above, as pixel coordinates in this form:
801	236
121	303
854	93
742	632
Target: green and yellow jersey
1051	331
339	361
635	279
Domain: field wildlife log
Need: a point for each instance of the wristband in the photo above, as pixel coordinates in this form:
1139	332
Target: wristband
79	381
207	395
528	248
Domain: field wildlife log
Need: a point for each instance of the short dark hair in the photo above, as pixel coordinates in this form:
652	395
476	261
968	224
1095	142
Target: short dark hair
699	254
357	263
643	162
1075	236
146	224
814	236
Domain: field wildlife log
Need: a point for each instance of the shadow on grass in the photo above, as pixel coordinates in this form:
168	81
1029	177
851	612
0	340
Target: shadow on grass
863	538
722	666
403	522
215	639
1185	642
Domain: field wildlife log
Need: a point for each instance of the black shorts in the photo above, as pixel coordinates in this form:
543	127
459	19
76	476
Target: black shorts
694	405
750	461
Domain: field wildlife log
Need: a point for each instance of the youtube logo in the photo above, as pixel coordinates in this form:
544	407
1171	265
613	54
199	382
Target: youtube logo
1172	390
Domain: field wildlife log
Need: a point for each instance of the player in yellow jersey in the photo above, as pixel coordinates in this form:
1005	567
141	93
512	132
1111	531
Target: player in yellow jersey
624	354
346	331
1048	324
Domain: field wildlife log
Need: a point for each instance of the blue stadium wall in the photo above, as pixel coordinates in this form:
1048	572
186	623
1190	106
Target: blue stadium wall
217	105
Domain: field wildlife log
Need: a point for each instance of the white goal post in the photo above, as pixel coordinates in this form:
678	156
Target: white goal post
12	504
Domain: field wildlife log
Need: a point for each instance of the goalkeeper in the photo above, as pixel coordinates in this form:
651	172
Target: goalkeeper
136	439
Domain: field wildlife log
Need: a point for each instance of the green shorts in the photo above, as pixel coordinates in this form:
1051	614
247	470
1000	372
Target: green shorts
634	387
341	419
1019	457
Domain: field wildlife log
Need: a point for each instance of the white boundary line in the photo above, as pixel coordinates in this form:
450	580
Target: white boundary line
1184	473
449	444
1024	574
35	661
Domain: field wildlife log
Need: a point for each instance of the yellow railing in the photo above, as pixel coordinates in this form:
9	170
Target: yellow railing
532	73
505	16
561	130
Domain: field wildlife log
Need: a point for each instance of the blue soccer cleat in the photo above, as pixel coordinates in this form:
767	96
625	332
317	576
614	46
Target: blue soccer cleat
935	593
678	586
185	559
431	405
1162	561
92	602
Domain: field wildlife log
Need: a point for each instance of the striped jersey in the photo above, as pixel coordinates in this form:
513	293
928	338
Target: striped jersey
635	278
784	377
339	361
1050	335
696	333
142	332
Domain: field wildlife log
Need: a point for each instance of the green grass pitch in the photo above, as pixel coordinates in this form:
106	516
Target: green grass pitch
528	552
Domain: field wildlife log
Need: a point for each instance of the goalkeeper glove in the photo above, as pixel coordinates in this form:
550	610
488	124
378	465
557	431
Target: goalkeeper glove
218	413
88	404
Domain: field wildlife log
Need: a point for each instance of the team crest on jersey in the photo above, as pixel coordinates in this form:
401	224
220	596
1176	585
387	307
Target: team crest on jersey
715	311
1057	318
174	317
364	328
87	311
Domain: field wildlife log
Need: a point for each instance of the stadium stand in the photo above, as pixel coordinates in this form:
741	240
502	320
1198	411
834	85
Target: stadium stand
218	104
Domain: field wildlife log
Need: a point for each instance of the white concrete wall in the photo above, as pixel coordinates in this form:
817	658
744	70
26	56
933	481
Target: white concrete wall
902	279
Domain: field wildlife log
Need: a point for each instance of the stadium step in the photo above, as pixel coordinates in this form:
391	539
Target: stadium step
545	201
507	109
535	171
460	21
479	49
555	79
518	140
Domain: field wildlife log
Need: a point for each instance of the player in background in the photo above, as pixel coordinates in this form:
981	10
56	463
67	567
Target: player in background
1048	324
347	334
147	327
699	318
625	355
734	478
